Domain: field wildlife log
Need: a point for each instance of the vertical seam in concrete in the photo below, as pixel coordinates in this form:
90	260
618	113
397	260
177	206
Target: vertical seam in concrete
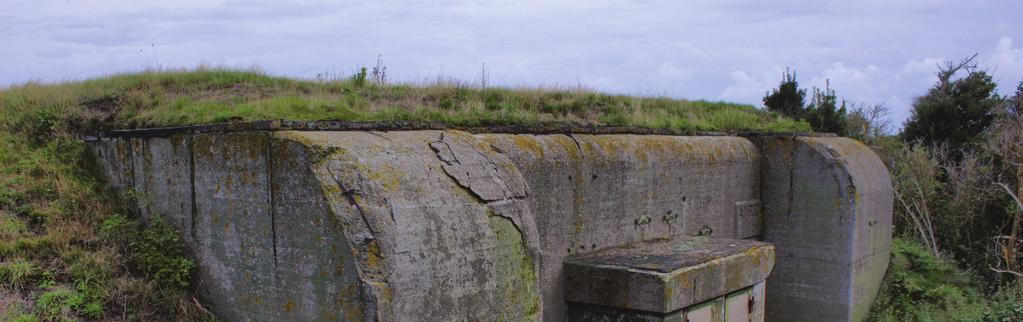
134	189
792	177
270	190
191	173
577	181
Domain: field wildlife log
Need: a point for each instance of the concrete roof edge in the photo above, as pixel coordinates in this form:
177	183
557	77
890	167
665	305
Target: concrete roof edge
542	128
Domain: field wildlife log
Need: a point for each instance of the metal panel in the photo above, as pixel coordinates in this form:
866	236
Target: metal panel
737	306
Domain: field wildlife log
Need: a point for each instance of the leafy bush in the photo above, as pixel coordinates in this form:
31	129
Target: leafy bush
921	287
155	250
159	253
1006	306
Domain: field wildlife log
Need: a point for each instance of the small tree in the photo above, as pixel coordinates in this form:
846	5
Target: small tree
788	99
954	111
824	112
868	123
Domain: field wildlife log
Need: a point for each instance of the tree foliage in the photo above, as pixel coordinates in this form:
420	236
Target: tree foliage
955	111
825	113
788	99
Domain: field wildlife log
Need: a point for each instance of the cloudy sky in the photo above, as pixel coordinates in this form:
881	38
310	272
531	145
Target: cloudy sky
873	51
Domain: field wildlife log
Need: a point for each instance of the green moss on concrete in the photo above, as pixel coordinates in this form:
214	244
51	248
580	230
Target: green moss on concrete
516	279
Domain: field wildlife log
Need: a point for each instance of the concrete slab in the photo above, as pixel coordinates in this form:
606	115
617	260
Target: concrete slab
667	275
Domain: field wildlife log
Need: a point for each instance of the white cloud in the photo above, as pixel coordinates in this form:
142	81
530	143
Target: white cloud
1007	62
858	81
750	88
928	65
670	70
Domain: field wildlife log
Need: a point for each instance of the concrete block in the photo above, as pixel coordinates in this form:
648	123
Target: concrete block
162	181
114	158
668	275
315	273
827	209
233	225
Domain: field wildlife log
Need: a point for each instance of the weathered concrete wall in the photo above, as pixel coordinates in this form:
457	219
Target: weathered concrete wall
600	191
397	226
828	205
224	195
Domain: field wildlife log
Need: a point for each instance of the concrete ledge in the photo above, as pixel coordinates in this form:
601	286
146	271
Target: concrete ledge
538	128
667	275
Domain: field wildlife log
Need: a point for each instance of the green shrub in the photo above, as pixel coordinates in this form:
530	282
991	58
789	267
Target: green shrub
158	252
1006	305
921	287
155	250
359	79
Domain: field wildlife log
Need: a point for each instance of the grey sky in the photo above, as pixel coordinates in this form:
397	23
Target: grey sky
872	51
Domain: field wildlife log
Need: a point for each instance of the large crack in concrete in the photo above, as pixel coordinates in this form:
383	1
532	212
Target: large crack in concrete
191	172
481	176
270	194
373	278
496	183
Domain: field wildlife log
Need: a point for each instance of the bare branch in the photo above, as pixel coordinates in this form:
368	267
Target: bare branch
921	228
1006	271
946	72
1008	190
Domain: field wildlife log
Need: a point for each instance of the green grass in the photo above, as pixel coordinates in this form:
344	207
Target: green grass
166	98
15	272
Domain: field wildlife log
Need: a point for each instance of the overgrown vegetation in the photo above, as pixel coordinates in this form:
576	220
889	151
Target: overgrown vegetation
57	263
922	287
957	174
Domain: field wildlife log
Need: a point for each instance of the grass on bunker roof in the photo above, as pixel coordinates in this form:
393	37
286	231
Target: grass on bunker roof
213	95
68	249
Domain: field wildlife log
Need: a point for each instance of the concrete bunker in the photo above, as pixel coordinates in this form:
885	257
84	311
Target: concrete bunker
455	226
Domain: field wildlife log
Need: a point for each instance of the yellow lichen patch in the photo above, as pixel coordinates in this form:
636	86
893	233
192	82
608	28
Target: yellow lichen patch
567	144
529	144
383	175
373	258
288	306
